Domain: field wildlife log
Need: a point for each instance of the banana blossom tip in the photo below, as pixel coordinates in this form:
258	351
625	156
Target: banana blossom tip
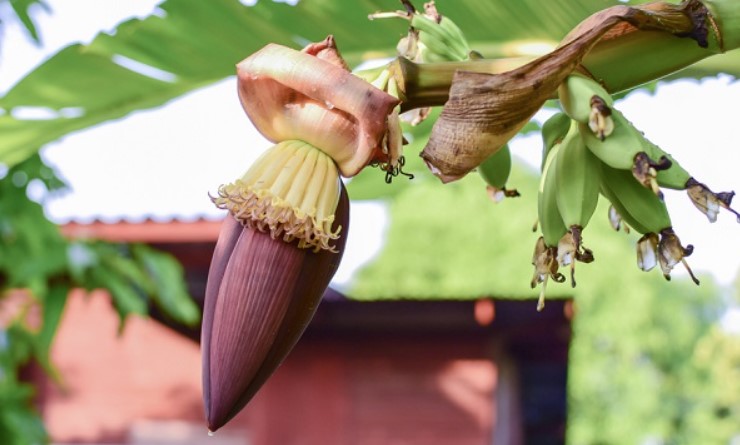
261	294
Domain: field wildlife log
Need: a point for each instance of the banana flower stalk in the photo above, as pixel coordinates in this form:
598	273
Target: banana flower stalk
286	230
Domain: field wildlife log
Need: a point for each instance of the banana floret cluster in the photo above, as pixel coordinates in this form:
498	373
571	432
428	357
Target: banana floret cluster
591	150
290	192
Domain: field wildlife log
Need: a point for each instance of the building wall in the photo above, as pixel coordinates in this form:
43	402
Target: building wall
369	391
359	376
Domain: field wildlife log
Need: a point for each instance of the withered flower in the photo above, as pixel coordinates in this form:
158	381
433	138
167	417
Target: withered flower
671	252
645	170
570	249
545	262
647	252
709	202
615	220
600	119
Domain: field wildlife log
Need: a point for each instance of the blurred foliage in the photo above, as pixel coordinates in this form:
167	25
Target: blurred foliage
22	10
650	364
38	267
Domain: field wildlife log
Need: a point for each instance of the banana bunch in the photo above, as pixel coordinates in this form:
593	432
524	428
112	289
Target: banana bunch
577	180
607	155
440	39
495	171
592	150
646	213
432	37
617	143
567	198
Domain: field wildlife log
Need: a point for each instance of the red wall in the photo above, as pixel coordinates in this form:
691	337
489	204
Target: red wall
343	387
377	391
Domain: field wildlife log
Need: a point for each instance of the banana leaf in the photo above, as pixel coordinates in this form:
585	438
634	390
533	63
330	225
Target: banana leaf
186	45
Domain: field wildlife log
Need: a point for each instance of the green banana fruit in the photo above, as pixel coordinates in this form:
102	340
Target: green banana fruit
620	210
495	171
577	194
678	178
545	257
576	95
647	214
432	37
638	206
446	41
674	176
553	132
620	149
455	34
577	179
551	222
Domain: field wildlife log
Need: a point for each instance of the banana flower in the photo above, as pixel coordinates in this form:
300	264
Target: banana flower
288	214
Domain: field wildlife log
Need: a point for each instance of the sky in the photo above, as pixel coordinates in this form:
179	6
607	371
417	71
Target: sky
163	162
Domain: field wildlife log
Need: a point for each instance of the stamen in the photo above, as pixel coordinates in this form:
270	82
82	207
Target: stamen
541	299
296	202
645	171
691	272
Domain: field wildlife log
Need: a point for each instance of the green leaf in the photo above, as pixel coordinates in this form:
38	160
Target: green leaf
126	298
21	9
117	258
52	306
21	425
187	45
169	290
32	247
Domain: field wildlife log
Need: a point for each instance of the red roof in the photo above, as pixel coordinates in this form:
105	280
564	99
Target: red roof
147	231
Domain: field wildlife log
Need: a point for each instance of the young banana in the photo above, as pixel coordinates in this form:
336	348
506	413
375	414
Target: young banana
622	215
432	37
495	171
551	222
678	178
646	213
440	35
454	34
577	194
620	149
639	206
545	255
553	132
587	102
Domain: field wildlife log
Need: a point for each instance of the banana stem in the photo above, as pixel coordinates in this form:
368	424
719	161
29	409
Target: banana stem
428	84
726	18
624	59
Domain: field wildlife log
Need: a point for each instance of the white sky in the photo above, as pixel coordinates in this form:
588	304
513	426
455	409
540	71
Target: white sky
163	162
